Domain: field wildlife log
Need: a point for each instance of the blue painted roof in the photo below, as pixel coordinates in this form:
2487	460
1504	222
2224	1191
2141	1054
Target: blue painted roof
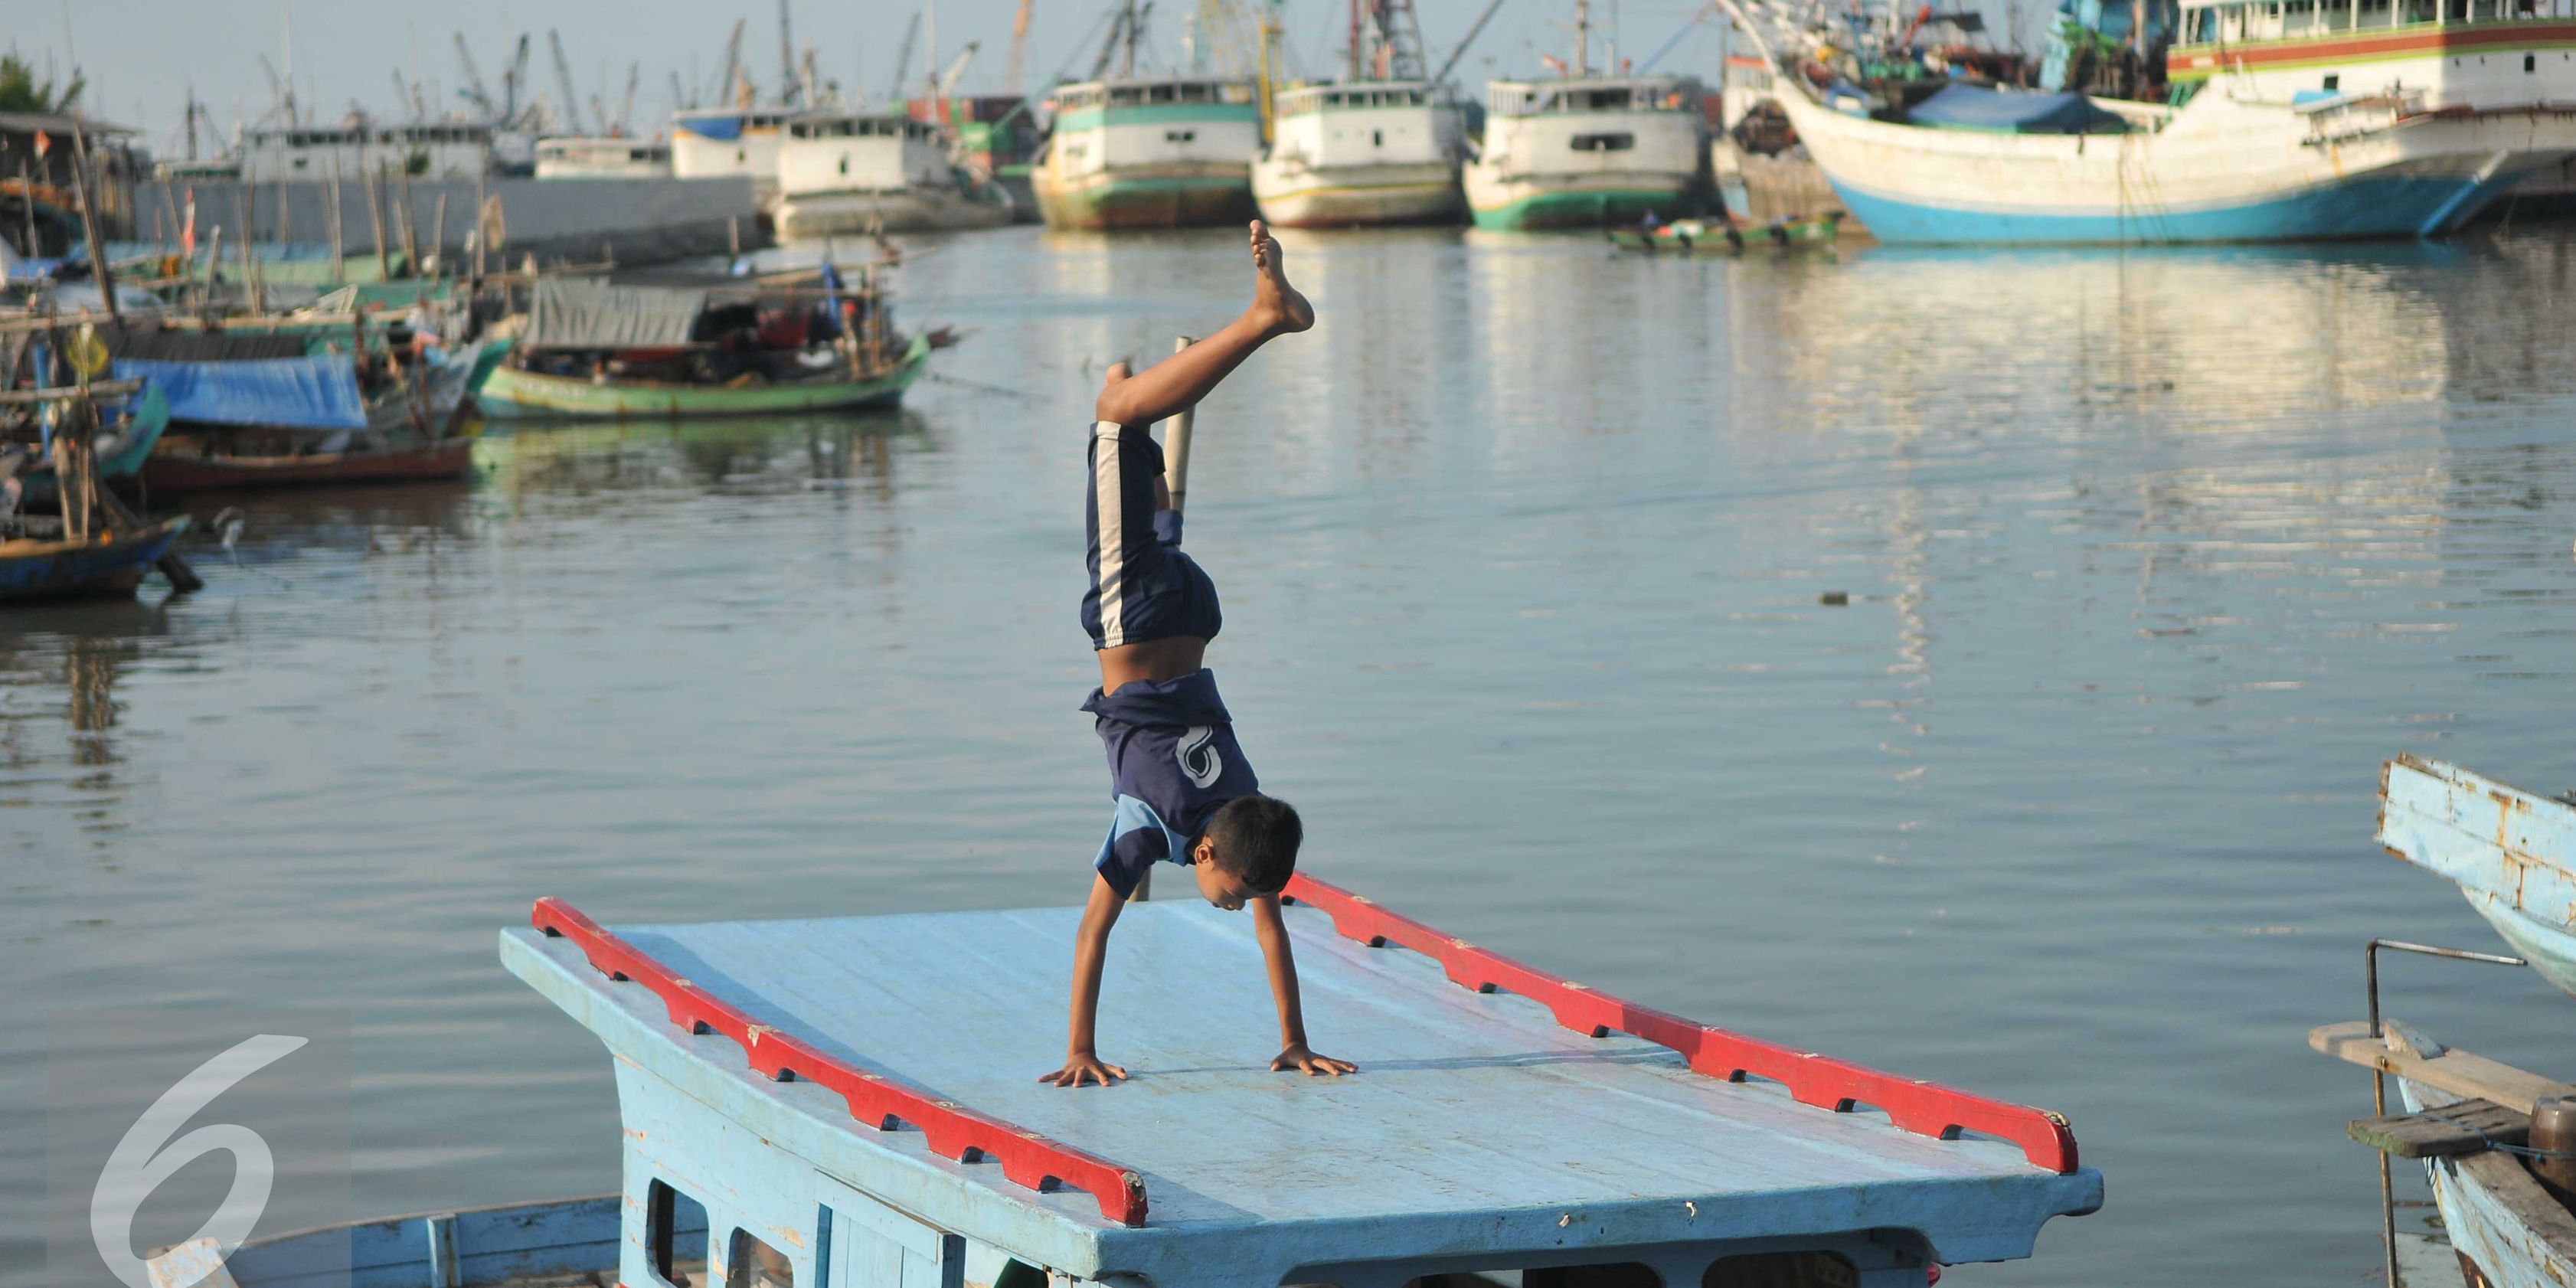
1477	1127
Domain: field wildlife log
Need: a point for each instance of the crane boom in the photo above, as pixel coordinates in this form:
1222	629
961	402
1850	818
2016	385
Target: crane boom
957	69
514	80
563	82
473	78
903	56
732	63
786	57
1461	51
1019	49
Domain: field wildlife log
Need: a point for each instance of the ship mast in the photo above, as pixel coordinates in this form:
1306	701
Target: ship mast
1582	38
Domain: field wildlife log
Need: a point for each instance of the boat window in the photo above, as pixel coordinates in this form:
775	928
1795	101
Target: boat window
1236	93
1619	142
751	1263
675	1236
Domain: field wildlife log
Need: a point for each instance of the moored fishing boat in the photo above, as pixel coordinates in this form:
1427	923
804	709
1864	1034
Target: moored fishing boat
2378	118
2511	852
122	446
1359	153
783	1123
611	157
34	568
1149	153
304	421
842	173
723	141
1587	150
710	347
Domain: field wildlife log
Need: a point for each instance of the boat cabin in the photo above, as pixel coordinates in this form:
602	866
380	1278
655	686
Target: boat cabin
451	150
602	158
2481	53
851	1103
1354	96
1592	94
1164	92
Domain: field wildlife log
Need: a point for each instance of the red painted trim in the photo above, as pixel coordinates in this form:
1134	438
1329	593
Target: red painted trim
951	1130
1917	1106
2462	39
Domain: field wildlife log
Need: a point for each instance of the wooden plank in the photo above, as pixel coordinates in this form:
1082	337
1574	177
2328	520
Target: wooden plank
2499	840
2473	1127
99	389
2459	1072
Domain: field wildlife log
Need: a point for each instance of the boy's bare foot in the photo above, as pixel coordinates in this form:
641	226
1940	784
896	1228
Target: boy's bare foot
1279	306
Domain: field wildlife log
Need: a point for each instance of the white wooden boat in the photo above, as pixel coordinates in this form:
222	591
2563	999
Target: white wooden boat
1588	151
846	173
1361	153
1136	152
719	142
2374	118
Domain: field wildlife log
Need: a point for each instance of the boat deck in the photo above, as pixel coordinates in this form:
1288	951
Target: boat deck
1479	1133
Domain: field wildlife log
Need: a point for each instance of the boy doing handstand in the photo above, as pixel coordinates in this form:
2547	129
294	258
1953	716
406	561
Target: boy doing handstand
1184	792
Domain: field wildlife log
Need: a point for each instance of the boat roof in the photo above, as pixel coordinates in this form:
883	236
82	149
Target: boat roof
1480	1130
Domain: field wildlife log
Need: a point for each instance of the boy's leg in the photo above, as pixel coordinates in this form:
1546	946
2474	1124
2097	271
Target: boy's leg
1186	377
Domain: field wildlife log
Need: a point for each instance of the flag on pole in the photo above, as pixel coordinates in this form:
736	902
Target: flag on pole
43	141
188	227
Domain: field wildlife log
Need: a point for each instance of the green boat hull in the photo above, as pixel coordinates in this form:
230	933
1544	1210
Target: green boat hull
511	394
1605	208
1147	201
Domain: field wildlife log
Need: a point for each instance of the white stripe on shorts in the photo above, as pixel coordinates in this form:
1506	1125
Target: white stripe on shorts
1110	500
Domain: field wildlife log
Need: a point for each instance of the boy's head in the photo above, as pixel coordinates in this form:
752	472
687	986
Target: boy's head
1249	848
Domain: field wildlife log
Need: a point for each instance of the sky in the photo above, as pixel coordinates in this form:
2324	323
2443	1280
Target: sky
141	55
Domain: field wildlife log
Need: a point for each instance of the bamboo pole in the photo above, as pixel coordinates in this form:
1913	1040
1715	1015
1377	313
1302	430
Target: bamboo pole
410	229
27	207
438	231
89	220
482	184
339	265
376	218
285	215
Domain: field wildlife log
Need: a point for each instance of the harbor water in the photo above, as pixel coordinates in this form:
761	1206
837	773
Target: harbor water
2138	566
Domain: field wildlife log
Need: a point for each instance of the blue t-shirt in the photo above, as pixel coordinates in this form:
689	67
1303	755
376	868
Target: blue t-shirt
1172	761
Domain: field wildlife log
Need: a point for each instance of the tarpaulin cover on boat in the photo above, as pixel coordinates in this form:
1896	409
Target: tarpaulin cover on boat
159	345
1969	107
289	393
723	129
581	313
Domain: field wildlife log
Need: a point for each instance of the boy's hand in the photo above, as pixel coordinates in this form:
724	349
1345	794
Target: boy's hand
1302	1058
1077	1068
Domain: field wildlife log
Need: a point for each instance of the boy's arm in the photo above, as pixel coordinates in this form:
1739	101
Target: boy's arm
1090	952
1293	1053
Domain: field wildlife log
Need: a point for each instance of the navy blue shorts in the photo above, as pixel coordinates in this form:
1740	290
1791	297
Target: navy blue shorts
1142	586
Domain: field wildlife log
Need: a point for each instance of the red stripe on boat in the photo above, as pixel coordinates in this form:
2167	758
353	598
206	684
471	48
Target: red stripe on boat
1917	1106
951	1130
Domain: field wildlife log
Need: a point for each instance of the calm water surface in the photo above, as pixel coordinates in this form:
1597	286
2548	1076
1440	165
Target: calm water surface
2152	559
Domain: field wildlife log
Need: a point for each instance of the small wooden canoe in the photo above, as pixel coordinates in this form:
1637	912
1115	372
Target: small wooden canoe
42	570
510	393
178	470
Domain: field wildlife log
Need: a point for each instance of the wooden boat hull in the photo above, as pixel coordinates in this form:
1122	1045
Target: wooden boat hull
512	394
174	472
53	570
804	216
1179	194
2502	1224
1294	195
558	1241
2511	852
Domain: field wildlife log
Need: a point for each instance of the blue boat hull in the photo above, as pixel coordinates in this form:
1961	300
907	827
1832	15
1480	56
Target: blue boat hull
2396	205
64	570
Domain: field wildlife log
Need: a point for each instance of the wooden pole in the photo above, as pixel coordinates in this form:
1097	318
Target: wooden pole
1176	443
438	231
376	218
482	184
332	218
245	200
27	207
410	228
214	256
89	221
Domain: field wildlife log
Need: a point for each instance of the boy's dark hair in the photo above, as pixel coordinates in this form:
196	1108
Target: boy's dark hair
1256	839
